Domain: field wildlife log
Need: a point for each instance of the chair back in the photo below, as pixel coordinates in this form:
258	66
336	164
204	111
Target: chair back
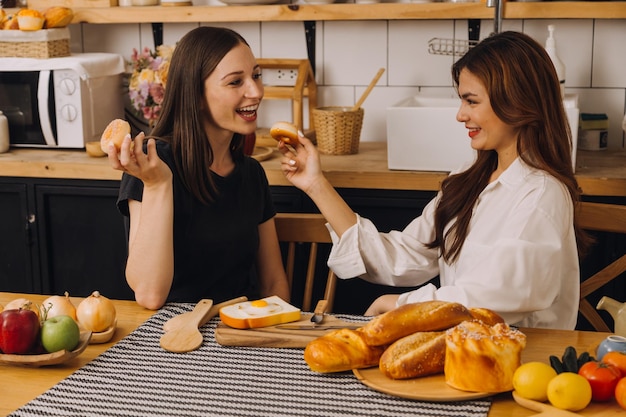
601	217
308	228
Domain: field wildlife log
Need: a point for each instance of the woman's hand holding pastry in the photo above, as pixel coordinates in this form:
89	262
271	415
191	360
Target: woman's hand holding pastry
147	166
301	163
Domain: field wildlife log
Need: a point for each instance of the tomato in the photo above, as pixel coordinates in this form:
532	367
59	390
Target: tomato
603	378
617	359
620	393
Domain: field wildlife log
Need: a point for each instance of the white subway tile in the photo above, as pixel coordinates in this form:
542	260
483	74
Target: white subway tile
609	58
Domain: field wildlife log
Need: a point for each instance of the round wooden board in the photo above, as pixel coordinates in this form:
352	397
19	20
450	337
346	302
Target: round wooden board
48	358
428	388
262	153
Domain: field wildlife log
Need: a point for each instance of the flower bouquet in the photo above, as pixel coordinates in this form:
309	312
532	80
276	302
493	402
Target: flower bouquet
148	80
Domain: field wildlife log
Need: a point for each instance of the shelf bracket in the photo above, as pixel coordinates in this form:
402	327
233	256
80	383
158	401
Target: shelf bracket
157	34
309	34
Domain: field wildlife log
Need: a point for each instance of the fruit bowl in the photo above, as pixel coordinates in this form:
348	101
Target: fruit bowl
48	358
103	337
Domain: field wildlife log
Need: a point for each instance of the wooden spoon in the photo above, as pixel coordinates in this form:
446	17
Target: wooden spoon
542	408
183	318
185	336
367	91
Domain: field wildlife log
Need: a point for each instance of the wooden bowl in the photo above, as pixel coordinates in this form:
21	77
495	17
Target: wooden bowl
48	358
94	149
103	337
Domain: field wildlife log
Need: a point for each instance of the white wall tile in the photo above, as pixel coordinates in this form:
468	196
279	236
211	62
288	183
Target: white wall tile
113	38
573	46
283	40
410	63
609	58
375	108
353	51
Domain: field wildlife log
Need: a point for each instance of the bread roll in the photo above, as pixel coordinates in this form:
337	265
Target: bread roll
286	132
341	350
57	17
114	133
489	317
426	316
416	355
482	358
29	20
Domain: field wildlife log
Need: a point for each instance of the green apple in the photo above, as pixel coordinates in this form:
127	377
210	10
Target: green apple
58	333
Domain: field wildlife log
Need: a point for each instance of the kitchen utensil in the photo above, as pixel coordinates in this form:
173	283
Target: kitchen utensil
427	388
274	336
542	408
185	336
320	309
368	90
182	319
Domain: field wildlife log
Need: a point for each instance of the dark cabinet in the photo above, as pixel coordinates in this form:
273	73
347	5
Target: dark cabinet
61	235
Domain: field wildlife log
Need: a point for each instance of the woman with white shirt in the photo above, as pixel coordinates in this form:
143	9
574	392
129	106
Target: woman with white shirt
500	234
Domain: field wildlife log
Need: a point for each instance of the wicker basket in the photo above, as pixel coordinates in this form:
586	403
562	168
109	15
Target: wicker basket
46	43
338	129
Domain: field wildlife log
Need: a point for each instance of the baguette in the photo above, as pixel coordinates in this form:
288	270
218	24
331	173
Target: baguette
426	316
341	350
485	315
416	355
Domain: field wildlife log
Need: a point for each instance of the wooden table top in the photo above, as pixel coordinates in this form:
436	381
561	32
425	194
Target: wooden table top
19	385
601	173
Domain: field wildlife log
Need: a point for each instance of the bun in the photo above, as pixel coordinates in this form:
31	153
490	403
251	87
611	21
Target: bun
482	358
29	20
426	316
286	132
114	133
341	350
268	311
57	17
419	354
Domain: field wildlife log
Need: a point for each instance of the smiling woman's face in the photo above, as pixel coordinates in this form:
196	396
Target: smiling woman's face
233	92
485	129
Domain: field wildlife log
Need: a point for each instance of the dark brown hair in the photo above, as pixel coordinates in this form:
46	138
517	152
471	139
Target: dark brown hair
195	58
524	92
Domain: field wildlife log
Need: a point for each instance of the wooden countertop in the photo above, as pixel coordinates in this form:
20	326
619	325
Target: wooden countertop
19	385
600	173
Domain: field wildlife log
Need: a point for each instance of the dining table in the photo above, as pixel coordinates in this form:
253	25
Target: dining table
132	375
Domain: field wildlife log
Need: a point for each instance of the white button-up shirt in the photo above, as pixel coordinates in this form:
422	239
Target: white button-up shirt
519	258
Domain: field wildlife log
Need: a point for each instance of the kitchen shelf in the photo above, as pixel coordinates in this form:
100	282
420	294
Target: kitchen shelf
352	11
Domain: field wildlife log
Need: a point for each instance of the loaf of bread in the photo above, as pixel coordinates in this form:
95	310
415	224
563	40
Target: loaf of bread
415	355
482	358
426	316
489	317
341	350
57	17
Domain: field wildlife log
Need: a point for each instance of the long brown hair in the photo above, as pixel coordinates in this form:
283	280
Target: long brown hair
181	123
524	92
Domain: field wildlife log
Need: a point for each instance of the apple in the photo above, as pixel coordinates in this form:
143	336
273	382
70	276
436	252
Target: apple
59	333
19	329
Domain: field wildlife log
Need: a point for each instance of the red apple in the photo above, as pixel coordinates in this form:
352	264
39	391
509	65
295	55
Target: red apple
19	329
59	333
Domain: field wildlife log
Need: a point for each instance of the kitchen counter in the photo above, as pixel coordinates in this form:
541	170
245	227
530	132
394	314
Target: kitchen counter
600	173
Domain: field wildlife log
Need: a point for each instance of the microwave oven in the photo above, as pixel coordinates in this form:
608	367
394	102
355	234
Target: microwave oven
61	102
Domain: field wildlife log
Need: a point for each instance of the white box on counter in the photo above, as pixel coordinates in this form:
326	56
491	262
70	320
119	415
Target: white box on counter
424	135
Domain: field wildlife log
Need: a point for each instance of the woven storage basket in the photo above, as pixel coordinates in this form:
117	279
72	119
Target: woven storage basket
338	129
45	43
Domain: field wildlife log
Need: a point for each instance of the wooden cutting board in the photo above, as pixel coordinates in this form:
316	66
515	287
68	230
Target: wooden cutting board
273	336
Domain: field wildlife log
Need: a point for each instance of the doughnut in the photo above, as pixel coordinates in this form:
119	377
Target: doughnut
286	132
114	133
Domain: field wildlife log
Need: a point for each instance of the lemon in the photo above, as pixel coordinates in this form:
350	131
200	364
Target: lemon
531	380
569	391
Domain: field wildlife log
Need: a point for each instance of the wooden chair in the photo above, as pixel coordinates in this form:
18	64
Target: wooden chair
297	228
603	218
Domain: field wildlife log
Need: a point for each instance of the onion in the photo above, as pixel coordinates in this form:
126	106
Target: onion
96	313
24	304
58	305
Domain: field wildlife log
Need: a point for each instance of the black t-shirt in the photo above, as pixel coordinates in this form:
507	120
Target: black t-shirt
215	245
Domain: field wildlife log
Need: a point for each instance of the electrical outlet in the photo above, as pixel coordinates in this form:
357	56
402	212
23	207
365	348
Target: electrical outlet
281	77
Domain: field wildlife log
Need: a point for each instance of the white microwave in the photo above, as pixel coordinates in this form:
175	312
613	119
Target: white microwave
61	102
